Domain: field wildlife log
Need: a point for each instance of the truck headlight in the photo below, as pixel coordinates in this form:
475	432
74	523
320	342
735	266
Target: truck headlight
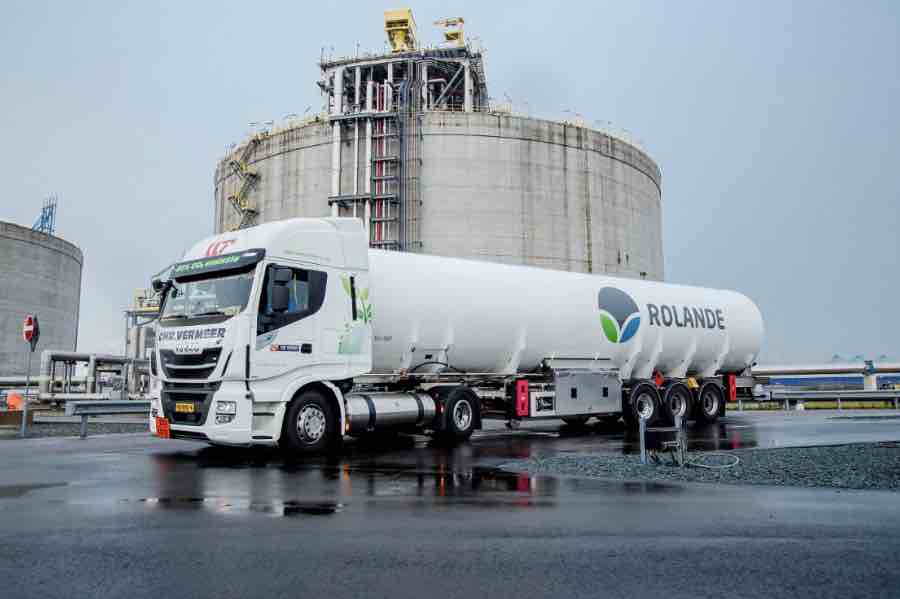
225	411
226	407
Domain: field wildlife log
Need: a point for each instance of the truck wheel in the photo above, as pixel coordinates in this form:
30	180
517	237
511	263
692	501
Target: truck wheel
461	409
709	401
676	401
644	403
310	425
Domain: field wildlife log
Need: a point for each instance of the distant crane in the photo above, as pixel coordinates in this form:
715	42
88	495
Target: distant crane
46	222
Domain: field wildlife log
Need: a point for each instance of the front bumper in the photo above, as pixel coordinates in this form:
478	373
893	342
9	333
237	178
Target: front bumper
239	431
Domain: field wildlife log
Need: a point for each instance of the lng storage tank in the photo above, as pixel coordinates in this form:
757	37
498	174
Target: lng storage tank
409	141
41	275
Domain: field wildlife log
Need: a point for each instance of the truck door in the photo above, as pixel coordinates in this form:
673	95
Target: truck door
287	327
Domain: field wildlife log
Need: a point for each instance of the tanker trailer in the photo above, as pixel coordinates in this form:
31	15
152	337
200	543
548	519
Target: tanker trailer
296	333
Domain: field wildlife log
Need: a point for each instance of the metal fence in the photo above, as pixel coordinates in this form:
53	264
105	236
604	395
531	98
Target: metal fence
787	398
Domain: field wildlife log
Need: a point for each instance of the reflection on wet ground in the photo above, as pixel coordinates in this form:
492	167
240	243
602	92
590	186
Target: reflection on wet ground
411	469
223	505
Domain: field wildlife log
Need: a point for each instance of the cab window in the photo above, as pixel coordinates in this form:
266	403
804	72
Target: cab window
305	293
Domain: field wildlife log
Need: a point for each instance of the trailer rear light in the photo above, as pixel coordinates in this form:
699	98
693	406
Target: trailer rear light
523	404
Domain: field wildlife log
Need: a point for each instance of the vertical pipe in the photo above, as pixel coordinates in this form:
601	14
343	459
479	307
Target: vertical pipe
338	91
370	88
355	160
337	110
92	374
368	219
642	433
425	105
367	182
335	164
467	88
357	106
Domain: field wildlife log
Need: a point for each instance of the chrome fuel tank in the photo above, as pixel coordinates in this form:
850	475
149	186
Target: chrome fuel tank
367	412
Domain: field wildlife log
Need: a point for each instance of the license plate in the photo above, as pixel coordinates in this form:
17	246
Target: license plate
184	408
188	350
162	428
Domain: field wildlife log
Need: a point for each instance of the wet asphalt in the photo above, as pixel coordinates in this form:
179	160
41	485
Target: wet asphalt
133	516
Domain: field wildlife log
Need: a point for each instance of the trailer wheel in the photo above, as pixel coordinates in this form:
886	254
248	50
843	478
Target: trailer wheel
644	403
309	424
710	400
461	410
676	402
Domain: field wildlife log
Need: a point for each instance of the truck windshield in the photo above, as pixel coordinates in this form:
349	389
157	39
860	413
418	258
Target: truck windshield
212	296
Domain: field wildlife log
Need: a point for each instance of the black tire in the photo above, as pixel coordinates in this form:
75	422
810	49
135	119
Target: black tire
310	425
461	414
576	420
644	399
710	399
677	400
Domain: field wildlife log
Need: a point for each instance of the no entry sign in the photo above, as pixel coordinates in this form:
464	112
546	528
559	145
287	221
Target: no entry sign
31	331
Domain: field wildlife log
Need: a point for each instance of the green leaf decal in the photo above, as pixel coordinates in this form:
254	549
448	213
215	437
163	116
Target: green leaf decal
364	294
345	283
609	328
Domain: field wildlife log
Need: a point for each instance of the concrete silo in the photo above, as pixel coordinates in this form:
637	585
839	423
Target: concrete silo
40	274
409	142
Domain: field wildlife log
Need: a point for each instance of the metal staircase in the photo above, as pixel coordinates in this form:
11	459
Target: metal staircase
240	200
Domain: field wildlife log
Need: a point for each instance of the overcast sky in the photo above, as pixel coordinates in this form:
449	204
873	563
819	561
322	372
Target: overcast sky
776	126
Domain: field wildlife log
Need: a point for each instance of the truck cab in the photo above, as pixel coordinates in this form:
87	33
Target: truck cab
252	319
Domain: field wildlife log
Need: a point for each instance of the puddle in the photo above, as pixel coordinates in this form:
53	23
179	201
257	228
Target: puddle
10	491
225	505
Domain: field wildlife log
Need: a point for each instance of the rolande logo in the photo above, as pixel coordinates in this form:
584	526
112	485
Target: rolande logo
619	315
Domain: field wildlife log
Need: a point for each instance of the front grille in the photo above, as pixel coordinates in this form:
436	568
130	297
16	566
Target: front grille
199	395
190	366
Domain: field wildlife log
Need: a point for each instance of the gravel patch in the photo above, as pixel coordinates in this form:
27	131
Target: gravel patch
856	466
73	429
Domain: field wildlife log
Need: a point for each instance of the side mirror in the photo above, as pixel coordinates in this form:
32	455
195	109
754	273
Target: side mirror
280	298
158	285
283	276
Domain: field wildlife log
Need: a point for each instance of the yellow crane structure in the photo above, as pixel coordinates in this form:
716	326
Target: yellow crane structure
401	29
453	30
248	177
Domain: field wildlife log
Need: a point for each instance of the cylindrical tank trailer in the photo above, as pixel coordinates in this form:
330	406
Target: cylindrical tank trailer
485	317
621	346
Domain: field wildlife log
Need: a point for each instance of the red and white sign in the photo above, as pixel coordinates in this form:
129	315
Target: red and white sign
28	328
218	247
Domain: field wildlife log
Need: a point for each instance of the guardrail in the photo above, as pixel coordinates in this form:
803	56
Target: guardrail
104	407
799	396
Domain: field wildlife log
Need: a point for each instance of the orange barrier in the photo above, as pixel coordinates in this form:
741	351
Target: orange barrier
14	401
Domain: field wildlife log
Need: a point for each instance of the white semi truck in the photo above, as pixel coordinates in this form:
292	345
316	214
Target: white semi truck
295	333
